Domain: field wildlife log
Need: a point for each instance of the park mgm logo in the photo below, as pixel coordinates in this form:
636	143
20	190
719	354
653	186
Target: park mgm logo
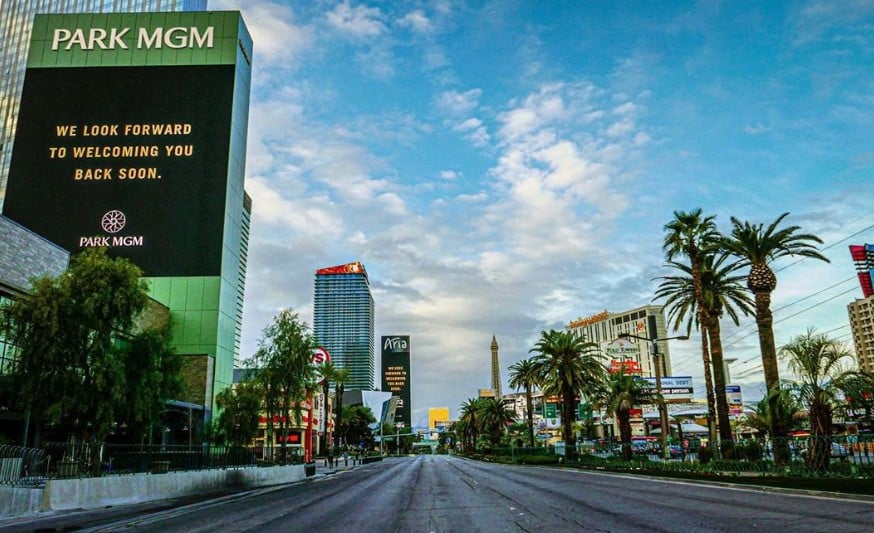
112	222
122	38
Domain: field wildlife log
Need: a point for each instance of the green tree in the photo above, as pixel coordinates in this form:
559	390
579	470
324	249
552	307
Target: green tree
153	375
620	393
523	375
858	390
758	246
818	362
493	419
240	412
568	366
285	370
469	425
722	293
789	409
354	425
70	366
694	236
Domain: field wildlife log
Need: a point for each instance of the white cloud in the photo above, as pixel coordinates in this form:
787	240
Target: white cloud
456	104
358	22
417	21
278	41
449	175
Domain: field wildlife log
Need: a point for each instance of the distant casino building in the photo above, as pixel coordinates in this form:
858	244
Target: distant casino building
343	321
648	321
16	19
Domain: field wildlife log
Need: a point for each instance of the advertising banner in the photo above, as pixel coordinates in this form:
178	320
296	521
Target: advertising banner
124	134
396	374
674	388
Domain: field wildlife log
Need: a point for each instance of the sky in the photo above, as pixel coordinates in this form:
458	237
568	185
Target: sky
505	167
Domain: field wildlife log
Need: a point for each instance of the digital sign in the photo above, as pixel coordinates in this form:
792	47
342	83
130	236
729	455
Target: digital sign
396	374
133	159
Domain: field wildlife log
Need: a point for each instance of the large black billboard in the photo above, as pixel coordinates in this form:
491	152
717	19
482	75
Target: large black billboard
133	159
396	374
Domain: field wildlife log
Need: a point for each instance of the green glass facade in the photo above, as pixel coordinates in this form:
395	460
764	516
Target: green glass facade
185	223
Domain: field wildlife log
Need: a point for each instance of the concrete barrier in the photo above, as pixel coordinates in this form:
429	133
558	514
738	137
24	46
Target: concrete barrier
92	493
18	501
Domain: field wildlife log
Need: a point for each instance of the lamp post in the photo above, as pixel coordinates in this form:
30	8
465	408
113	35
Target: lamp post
663	411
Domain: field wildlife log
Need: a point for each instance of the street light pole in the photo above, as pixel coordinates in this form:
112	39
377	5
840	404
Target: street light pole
660	399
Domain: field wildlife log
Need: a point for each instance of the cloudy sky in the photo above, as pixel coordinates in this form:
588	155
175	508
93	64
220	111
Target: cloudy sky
506	167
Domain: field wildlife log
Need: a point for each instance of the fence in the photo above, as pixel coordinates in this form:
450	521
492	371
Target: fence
19	464
29	466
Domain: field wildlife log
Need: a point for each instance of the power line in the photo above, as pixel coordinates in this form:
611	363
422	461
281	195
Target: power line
832	245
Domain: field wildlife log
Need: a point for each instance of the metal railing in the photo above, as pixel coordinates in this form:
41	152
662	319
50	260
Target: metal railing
20	465
55	460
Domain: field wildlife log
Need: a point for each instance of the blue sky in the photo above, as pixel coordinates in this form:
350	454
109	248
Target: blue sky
507	167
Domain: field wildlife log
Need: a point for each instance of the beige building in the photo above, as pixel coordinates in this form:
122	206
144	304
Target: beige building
647	321
862	325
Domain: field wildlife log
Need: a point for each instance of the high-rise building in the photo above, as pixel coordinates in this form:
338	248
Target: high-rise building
862	326
343	321
647	321
16	19
132	163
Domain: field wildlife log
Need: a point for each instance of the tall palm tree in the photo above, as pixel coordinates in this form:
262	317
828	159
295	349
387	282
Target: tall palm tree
620	393
759	246
341	377
817	362
722	293
524	375
694	235
568	366
494	418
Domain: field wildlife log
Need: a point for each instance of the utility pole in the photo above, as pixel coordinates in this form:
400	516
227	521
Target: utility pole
660	399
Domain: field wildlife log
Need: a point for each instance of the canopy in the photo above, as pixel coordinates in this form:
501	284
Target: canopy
687	427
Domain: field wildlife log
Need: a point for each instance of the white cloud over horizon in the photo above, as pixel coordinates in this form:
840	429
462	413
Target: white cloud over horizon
486	197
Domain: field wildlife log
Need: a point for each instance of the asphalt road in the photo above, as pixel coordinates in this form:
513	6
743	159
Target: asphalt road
443	493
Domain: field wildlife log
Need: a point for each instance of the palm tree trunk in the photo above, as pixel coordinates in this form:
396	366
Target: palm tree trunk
530	406
708	385
765	325
713	333
623	417
568	418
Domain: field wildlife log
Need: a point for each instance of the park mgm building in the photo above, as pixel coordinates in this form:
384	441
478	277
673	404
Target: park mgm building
131	136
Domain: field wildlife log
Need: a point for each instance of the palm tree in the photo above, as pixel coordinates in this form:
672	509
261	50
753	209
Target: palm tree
341	377
494	418
757	247
722	293
694	236
568	366
817	361
621	392
524	375
470	422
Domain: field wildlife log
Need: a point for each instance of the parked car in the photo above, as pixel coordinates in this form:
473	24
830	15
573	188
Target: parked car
675	450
